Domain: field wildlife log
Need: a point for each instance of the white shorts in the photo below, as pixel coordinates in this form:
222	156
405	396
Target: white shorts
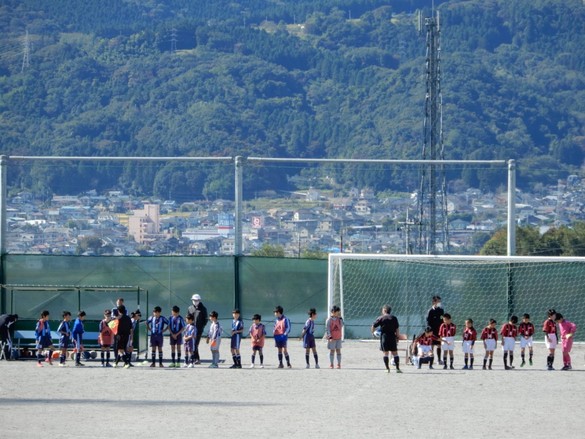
448	344
509	344
525	342
467	346
490	344
424	350
552	344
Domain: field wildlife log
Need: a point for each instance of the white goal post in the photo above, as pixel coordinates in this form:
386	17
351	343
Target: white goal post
476	287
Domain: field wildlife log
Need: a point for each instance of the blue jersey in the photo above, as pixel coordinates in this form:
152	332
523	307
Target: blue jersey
176	324
309	328
281	328
64	331
78	328
157	325
42	329
189	335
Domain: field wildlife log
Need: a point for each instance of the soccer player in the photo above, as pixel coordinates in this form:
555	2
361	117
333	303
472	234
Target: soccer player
189	336
176	328
237	329
214	339
64	331
334	327
308	338
157	325
434	320
567	331
489	335
424	344
389	327
257	336
280	332
526	331
509	332
43	338
6	321
105	338
469	337
550	337
77	333
447	333
199	312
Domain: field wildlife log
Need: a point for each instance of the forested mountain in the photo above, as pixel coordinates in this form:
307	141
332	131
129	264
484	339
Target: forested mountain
302	78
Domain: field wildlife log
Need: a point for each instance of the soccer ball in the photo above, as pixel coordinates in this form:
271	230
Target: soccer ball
93	354
377	333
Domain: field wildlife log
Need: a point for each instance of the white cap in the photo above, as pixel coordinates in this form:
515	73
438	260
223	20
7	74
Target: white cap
195	297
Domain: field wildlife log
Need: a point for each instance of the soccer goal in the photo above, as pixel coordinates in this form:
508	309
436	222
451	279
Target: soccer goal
470	287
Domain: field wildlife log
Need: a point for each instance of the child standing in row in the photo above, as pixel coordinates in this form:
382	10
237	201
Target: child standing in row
469	337
214	339
334	326
567	331
64	331
43	338
308	337
550	337
280	332
489	335
237	329
105	338
78	330
257	334
176	328
189	336
509	332
526	331
157	325
447	333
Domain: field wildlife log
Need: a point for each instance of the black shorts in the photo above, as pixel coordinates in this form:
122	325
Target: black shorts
388	343
122	341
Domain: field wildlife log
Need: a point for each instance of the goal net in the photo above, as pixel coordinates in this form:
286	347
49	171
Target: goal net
470	287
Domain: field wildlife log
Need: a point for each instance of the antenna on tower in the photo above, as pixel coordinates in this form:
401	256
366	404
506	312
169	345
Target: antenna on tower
432	197
25	52
173	40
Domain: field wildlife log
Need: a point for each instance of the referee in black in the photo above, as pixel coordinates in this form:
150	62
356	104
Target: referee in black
389	336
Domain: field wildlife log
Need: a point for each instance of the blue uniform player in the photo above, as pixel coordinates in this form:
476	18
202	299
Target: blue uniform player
308	337
77	333
189	337
157	325
237	329
64	331
43	338
176	328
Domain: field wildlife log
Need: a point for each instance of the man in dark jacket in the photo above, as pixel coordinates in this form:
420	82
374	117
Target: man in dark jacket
123	336
200	314
7	320
434	320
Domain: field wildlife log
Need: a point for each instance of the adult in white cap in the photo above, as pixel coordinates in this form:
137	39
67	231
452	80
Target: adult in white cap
200	319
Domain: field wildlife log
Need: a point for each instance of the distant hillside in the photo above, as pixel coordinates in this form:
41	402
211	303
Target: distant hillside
331	78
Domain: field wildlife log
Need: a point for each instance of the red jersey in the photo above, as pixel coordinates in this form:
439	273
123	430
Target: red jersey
426	340
526	329
509	330
447	330
549	327
489	333
469	334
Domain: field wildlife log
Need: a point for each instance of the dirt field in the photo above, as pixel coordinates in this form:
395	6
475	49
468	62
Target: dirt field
358	400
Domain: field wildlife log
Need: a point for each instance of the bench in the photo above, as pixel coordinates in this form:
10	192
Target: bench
26	339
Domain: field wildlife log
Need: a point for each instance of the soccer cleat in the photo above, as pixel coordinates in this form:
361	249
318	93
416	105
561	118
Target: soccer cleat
39	364
465	367
103	364
387	370
126	366
523	363
289	366
108	365
79	364
431	367
62	365
550	368
261	366
507	367
339	366
398	371
331	366
444	366
489	367
307	367
484	368
234	366
470	367
451	367
280	366
317	366
565	367
151	364
197	362
251	366
161	365
213	366
191	366
530	361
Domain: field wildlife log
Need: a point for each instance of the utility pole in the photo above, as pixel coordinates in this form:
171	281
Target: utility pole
25	52
432	197
173	40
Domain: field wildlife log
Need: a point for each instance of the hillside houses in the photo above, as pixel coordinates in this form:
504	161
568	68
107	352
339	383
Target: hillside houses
356	222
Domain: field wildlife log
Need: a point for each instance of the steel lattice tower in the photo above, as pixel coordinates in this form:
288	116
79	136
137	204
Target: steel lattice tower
432	200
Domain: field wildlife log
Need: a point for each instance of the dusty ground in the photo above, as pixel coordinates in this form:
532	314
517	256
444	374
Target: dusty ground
358	400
